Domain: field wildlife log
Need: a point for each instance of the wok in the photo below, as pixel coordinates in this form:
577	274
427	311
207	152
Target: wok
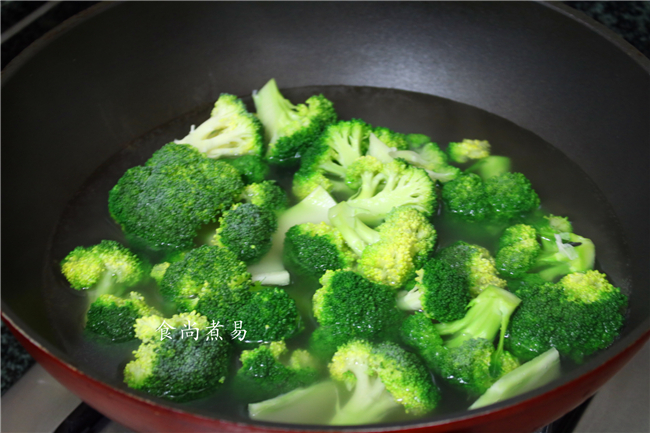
120	78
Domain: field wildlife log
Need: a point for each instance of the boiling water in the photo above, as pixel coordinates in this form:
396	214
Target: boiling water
562	186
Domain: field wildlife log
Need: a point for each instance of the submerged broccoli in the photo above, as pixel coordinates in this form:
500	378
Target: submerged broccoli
468	149
474	263
354	307
490	166
246	230
113	318
230	131
440	292
105	268
162	204
184	366
518	249
252	168
535	373
316	248
467	359
579	315
391	253
290	129
325	164
499	198
268	371
382	377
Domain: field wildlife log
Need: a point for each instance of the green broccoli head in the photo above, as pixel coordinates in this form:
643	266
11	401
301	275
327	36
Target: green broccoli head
433	160
356	306
390	138
316	248
252	168
113	318
246	230
581	314
325	341
382	378
440	292
196	275
162	205
231	131
490	166
105	268
327	161
468	149
406	240
268	371
180	364
290	129
518	250
466	198
266	195
474	263
510	195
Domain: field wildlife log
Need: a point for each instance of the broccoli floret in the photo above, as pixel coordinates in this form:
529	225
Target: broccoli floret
246	230
357	307
579	315
499	198
113	318
390	138
535	373
316	248
290	129
181	367
490	166
105	268
416	141
428	157
196	275
314	208
468	149
315	404
518	250
510	195
390	254
266	195
466	198
158	271
440	292
252	168
325	164
382	378
268	371
468	359
325	341
474	263
162	205
230	131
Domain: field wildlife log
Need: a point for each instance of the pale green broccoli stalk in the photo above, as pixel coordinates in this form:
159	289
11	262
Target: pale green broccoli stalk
468	149
105	268
230	131
314	208
290	129
315	404
535	373
325	164
428	157
181	367
382	378
113	318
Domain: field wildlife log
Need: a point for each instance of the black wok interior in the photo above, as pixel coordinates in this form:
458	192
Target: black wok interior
83	105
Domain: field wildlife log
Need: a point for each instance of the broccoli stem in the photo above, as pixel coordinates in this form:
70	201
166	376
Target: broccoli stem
409	301
273	110
535	373
356	234
488	313
279	278
313	405
369	402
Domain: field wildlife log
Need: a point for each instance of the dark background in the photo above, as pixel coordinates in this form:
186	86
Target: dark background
631	20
